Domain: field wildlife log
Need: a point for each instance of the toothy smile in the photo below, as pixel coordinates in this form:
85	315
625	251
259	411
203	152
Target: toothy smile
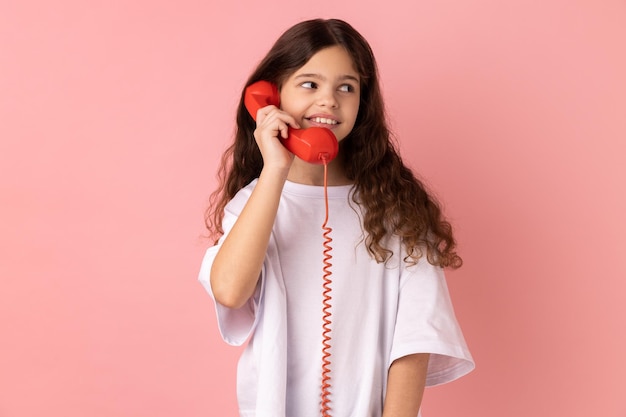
323	120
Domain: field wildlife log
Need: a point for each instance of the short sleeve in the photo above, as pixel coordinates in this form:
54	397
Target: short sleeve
426	323
235	325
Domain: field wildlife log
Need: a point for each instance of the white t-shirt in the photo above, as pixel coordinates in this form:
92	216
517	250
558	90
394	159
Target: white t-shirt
380	312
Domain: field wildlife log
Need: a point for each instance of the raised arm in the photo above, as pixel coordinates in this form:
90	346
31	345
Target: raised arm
237	265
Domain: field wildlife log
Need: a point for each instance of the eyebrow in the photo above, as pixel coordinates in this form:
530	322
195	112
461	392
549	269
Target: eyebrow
321	77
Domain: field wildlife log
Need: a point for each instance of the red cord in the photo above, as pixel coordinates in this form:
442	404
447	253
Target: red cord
326	305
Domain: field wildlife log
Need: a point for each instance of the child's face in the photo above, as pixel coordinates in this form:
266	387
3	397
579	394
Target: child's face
324	92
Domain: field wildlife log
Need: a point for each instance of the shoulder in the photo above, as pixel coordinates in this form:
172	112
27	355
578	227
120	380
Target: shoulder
414	264
237	203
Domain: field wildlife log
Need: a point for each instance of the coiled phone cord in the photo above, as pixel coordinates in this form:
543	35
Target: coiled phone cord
325	408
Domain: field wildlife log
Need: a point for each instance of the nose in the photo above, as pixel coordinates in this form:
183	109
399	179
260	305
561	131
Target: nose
326	97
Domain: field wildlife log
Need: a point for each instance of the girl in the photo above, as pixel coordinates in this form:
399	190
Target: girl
392	330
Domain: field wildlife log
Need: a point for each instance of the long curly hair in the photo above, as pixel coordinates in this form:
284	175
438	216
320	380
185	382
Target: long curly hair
394	201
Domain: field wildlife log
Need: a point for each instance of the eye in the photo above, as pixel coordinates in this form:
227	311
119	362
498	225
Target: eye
347	88
308	84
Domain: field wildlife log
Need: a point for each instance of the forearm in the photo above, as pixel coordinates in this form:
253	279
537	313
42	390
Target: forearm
405	386
237	265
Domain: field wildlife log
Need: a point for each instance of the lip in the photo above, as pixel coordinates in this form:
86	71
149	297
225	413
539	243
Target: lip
323	116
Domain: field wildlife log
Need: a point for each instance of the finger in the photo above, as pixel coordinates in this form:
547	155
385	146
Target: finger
284	131
291	121
262	113
269	113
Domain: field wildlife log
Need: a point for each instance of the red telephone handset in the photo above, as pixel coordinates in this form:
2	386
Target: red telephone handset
316	145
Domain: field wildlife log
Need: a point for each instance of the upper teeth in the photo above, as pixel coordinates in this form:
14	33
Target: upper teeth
324	120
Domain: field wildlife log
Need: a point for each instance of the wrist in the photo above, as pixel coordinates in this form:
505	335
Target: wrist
274	172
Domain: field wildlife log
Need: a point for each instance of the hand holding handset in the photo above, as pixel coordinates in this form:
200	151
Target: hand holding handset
316	145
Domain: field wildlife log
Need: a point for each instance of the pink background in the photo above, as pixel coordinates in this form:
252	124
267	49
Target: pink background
112	119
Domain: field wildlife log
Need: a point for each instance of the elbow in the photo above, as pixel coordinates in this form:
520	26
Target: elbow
226	294
228	299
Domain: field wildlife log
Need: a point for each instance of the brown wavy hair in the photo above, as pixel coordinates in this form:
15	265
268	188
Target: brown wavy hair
393	199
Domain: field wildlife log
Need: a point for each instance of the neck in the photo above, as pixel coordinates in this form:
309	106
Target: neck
312	174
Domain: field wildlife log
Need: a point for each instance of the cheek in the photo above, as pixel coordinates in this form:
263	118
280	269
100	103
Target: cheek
293	106
349	125
355	111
